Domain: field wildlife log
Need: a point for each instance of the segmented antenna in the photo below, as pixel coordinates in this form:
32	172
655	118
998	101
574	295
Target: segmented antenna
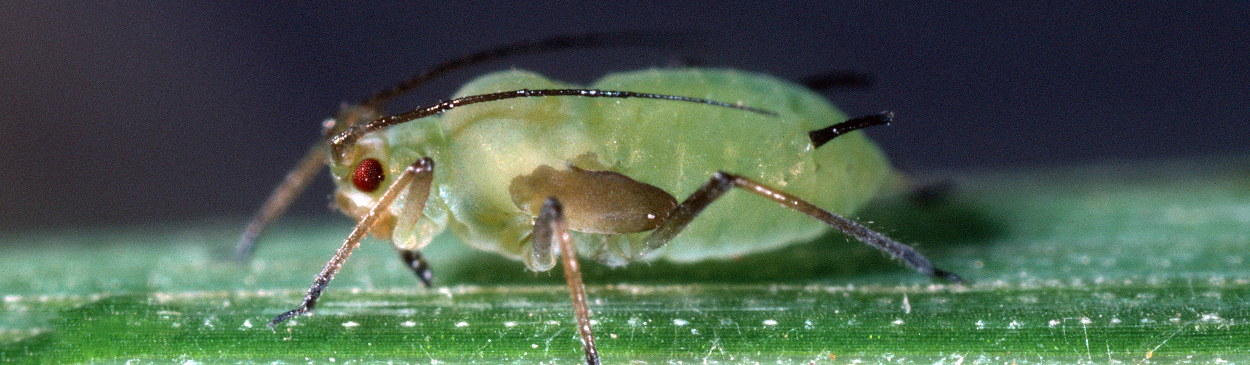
340	142
582	41
314	160
841	79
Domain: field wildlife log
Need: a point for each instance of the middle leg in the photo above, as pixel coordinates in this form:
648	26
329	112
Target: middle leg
417	263
550	229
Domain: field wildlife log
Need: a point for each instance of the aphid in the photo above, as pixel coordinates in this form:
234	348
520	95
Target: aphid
538	170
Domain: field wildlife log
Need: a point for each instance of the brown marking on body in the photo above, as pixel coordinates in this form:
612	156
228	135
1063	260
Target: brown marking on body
604	202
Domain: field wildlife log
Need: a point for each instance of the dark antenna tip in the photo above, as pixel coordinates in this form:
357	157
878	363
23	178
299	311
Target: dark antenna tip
821	136
840	79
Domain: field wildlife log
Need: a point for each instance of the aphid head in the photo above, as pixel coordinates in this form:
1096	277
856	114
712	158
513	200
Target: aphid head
361	174
366	166
374	165
362	163
356	163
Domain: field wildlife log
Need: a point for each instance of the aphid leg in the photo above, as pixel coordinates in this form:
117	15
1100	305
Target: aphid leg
298	178
417	177
722	182
550	229
417	263
281	198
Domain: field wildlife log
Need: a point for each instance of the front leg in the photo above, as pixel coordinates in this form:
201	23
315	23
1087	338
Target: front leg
417	177
550	229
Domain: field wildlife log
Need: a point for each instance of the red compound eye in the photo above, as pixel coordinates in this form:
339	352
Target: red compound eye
368	175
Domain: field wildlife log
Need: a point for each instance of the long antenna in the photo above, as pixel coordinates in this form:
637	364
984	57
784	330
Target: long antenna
348	137
313	161
582	41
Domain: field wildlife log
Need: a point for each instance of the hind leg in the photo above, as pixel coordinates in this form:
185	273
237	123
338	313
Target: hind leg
721	182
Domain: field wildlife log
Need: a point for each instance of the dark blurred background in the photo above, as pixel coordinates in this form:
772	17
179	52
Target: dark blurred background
133	112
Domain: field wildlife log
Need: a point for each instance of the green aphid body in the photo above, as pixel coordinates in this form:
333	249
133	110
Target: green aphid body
485	152
543	172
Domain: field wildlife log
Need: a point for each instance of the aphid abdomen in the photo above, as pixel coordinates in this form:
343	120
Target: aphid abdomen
678	147
671	145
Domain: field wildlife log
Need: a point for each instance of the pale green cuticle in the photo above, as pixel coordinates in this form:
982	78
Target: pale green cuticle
676	146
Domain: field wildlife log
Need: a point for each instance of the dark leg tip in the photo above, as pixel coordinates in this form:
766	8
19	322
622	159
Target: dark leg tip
285	316
418	265
948	276
426	278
